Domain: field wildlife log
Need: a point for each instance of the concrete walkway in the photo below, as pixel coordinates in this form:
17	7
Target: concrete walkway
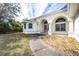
40	49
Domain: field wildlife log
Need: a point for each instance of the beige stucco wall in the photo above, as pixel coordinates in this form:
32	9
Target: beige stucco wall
72	9
38	26
74	22
72	25
33	30
74	28
54	18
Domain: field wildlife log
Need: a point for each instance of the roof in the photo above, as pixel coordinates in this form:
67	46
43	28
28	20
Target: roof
51	13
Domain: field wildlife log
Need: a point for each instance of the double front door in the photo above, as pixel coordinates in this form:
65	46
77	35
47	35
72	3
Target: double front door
46	28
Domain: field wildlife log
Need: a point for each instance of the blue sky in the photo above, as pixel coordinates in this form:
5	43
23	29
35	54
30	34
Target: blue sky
30	10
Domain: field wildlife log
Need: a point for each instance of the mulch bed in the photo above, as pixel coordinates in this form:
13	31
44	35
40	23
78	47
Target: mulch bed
68	45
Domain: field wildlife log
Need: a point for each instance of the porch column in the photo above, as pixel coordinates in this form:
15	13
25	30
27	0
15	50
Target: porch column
70	28
38	27
50	28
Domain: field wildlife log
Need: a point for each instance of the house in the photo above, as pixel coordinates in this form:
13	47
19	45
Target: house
62	22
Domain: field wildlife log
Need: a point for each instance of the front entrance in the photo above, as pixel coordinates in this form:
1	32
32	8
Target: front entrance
45	28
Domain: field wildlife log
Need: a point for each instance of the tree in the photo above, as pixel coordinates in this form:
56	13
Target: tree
17	26
9	10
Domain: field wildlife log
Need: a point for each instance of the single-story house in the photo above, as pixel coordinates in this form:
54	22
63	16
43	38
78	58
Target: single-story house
61	22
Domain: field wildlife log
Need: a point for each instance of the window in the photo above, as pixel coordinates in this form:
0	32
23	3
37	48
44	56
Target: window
24	25
57	27
60	25
63	27
30	25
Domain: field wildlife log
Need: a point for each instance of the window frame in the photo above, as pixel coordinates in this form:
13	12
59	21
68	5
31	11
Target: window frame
24	25
30	25
60	24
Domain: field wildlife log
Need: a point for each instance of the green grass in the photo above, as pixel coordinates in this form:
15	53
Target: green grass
16	44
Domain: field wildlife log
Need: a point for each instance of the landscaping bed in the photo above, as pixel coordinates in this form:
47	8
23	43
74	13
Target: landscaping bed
67	45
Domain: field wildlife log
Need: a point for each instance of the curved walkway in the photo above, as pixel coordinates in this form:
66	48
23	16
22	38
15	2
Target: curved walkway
41	49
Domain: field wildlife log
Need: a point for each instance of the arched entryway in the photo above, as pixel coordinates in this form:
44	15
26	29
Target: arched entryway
45	27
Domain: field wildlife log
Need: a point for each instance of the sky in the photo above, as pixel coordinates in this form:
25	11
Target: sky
31	10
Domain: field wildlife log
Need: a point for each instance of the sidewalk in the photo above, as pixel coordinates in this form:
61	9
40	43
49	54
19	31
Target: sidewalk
40	49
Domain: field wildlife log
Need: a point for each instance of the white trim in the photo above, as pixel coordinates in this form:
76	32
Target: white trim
60	32
32	32
60	22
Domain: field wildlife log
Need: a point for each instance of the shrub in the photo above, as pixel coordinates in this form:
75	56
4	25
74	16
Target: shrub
11	26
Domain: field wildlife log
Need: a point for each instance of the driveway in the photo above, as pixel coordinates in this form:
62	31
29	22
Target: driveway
39	48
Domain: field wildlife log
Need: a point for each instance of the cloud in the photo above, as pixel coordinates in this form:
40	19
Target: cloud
38	9
30	10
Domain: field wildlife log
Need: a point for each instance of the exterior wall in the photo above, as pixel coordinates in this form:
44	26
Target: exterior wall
41	27
72	9
38	25
54	18
34	30
72	25
77	26
50	28
74	22
75	32
74	28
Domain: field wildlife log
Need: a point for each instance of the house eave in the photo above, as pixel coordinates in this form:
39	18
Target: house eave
51	13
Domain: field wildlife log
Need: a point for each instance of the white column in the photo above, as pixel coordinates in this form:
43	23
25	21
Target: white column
38	27
71	26
50	29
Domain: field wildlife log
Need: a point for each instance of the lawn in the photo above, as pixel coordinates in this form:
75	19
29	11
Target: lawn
67	45
16	44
